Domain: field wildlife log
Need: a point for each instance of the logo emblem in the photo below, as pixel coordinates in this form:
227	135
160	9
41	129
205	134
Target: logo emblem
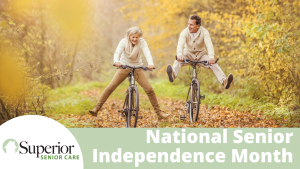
10	146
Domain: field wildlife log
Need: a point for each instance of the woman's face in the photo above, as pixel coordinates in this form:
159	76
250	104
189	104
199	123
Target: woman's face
135	38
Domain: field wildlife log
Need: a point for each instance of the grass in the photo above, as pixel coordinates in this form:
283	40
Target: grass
67	100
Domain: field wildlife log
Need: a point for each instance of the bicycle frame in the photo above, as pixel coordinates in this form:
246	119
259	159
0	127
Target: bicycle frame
190	103
193	79
131	103
130	89
131	78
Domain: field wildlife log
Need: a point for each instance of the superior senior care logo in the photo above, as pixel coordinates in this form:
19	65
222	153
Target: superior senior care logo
44	152
52	145
10	146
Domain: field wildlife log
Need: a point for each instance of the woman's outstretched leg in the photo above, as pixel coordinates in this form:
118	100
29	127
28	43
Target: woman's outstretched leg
141	78
118	78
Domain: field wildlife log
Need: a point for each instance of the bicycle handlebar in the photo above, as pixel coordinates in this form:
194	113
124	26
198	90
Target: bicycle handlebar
126	66
202	62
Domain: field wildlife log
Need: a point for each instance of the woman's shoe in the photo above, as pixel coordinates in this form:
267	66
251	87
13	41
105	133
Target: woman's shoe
94	112
161	115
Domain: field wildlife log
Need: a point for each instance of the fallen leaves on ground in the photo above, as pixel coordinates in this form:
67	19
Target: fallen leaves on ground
216	117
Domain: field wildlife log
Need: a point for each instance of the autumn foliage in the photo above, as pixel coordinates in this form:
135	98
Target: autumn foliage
257	40
49	44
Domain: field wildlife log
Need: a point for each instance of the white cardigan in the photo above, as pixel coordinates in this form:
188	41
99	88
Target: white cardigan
120	57
188	42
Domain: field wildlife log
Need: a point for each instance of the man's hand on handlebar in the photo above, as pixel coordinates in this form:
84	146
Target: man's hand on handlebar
150	67
118	64
211	61
180	58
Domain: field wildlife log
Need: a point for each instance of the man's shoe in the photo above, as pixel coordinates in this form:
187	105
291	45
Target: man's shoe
170	73
94	112
228	81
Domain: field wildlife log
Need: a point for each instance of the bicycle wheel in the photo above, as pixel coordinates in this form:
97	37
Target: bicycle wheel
126	108
133	108
194	101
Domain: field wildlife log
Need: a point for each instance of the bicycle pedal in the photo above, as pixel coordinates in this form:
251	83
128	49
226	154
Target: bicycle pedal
182	117
140	117
202	97
123	113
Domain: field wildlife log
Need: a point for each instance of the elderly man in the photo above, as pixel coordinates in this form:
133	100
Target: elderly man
194	39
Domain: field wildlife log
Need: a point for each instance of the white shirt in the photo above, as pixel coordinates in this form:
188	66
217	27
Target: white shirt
194	34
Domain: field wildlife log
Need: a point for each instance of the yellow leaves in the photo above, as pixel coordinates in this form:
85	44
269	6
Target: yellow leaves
242	71
71	14
3	24
225	15
216	116
260	44
11	23
11	76
22	4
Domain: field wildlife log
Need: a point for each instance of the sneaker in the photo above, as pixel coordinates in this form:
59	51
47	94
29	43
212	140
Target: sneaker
170	73
228	81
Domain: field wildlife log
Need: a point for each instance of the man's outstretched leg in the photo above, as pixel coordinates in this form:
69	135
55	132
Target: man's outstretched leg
218	72
173	71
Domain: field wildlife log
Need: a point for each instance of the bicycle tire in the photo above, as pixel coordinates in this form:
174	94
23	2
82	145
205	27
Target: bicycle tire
194	101
133	108
126	107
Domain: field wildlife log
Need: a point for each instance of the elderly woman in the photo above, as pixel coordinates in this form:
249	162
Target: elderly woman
130	50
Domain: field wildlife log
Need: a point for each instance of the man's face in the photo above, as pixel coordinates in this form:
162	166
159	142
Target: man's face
193	27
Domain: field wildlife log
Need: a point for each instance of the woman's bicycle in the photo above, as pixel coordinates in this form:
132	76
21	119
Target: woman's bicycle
131	104
193	97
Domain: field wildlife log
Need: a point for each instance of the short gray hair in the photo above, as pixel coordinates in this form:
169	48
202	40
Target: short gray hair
134	30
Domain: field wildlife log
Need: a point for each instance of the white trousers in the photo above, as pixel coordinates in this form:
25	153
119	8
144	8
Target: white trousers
214	67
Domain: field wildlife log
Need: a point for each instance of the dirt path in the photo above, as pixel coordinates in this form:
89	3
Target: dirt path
108	117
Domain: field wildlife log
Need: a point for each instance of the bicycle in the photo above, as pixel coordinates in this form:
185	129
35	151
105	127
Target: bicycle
193	103
131	104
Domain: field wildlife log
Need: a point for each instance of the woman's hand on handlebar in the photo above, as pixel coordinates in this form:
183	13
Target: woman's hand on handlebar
118	64
150	67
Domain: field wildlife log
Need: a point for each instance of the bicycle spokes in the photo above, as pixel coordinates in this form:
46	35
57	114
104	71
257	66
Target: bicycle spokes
193	102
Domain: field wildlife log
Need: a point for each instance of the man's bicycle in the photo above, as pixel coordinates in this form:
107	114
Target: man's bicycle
193	97
131	104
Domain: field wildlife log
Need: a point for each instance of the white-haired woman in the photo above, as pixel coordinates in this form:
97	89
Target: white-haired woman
129	53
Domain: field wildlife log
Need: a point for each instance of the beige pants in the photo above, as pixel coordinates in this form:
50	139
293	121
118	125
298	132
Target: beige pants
119	77
214	67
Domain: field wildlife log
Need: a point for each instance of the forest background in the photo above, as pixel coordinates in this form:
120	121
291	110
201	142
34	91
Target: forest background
55	54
